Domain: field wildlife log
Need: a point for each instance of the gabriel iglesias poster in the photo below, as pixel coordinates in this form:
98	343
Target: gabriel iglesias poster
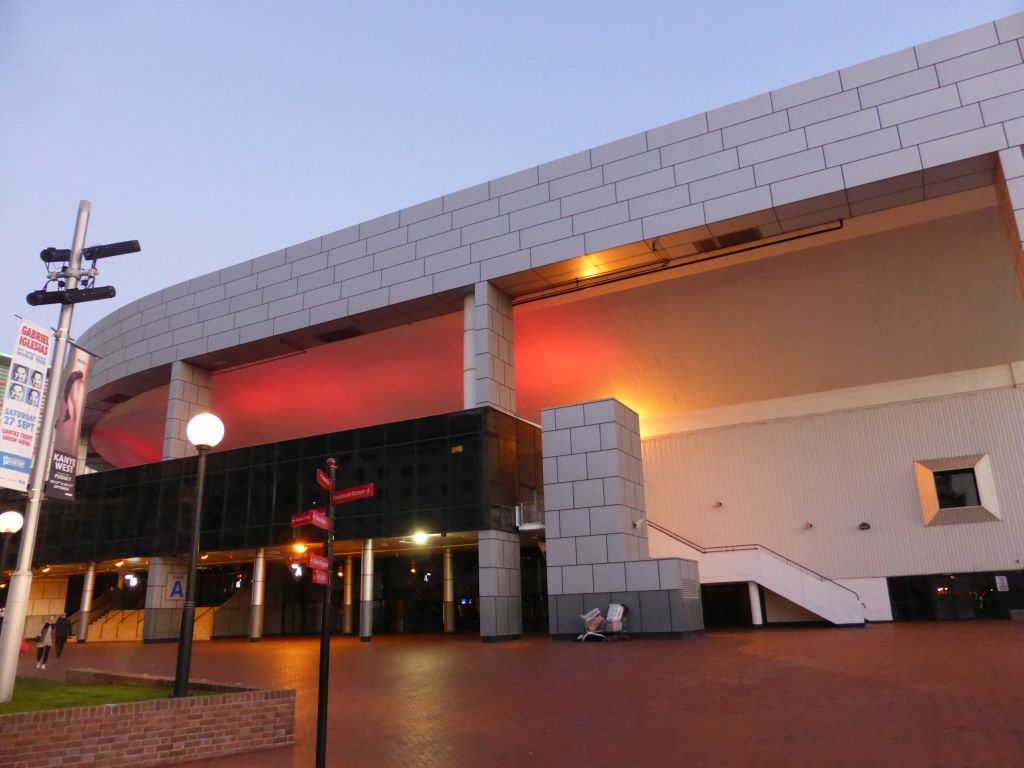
23	400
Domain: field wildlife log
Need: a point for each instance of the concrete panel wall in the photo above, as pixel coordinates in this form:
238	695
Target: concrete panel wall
763	482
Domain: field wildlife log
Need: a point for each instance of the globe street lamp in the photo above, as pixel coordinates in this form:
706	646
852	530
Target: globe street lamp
10	524
204	432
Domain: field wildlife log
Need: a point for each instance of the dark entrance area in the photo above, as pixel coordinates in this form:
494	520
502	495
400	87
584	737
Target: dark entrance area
956	596
726	605
408	591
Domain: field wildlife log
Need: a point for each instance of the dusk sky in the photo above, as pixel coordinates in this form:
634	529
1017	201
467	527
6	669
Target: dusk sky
214	132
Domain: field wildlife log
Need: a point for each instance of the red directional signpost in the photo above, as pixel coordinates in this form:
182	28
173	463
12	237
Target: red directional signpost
321	567
352	494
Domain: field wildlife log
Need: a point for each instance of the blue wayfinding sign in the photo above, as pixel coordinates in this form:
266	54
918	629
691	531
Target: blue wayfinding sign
176	586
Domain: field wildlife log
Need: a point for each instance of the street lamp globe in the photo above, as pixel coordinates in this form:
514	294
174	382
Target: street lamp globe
205	430
11	522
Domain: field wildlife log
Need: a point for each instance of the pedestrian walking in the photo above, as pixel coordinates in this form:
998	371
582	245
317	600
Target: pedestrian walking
45	641
61	633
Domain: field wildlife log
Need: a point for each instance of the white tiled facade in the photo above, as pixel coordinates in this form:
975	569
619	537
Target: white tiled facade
866	137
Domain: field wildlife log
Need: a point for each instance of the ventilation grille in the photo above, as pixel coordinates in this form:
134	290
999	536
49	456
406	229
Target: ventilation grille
728	240
690	589
340	335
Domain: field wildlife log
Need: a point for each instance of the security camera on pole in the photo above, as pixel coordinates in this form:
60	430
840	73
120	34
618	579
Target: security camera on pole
73	285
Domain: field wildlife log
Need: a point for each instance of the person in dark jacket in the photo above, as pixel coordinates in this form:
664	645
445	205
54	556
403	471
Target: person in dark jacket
61	633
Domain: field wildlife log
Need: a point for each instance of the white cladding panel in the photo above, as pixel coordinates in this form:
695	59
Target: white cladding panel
837	470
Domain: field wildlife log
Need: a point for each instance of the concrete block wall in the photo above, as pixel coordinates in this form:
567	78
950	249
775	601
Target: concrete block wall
501	604
189	396
871	136
597	550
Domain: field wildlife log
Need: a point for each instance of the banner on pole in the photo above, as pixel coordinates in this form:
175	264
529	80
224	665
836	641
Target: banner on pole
60	481
23	401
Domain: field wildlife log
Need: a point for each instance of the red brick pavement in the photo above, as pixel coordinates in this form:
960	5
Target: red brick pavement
907	695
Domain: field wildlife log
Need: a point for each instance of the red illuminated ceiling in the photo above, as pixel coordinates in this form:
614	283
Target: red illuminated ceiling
840	314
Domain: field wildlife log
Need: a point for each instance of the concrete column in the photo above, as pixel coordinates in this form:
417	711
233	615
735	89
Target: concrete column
488	361
346	600
366	593
162	619
1010	188
189	395
596	529
448	609
501	601
259	580
468	353
756	617
88	585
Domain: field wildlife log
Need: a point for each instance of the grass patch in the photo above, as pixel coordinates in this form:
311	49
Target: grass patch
31	694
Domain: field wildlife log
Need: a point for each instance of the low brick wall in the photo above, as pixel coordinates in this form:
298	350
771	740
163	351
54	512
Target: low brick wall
146	733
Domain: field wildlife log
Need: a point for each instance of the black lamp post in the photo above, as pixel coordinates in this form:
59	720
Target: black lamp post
204	432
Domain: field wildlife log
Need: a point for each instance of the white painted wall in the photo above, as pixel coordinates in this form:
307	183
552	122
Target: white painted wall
836	470
874	594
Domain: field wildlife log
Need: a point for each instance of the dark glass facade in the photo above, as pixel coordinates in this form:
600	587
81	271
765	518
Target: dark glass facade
460	471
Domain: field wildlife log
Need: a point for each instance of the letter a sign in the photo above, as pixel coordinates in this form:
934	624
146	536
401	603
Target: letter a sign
176	586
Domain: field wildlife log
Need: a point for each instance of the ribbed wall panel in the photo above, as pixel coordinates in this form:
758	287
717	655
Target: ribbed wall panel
837	470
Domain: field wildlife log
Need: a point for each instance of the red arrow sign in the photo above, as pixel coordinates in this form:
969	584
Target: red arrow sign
323	480
315	517
352	494
317	562
321	577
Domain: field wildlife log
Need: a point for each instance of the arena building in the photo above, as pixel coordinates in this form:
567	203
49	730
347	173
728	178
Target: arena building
775	349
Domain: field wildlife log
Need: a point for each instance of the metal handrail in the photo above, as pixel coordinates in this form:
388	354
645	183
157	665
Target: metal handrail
745	548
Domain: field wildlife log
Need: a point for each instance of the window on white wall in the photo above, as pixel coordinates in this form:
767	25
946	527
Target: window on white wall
956	490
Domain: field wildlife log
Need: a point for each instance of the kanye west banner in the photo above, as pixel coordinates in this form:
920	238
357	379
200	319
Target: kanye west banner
60	483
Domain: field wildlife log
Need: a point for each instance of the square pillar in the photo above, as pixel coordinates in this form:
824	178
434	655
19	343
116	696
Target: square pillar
488	359
501	602
189	395
1010	186
162	617
595	524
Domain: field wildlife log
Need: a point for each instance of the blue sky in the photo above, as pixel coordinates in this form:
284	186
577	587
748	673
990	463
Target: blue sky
214	132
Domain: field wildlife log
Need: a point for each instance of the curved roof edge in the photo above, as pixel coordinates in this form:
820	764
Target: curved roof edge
916	123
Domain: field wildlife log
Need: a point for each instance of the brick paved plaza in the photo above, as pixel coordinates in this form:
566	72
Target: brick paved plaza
947	694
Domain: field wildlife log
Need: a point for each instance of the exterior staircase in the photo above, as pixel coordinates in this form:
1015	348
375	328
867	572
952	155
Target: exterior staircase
755	562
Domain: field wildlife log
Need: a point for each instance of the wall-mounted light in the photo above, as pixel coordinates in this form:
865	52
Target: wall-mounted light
299	547
716	504
119	563
808	525
864	526
420	537
46	569
204	556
